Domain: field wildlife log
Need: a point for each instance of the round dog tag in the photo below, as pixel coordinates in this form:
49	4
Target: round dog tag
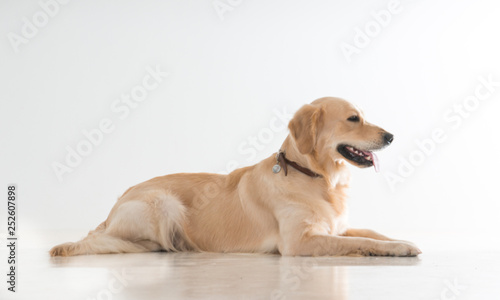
276	169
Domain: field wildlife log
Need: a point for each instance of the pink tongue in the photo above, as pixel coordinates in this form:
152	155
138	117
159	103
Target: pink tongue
375	161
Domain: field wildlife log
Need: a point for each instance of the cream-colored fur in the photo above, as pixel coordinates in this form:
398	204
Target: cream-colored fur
253	209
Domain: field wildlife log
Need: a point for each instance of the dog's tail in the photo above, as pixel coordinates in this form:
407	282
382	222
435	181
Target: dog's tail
98	242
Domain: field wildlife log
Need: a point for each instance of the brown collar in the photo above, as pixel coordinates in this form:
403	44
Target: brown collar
282	161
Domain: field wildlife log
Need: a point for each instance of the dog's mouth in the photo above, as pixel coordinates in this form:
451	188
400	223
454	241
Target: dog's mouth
358	156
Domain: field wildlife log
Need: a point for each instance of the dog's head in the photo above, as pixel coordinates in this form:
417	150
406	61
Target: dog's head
332	128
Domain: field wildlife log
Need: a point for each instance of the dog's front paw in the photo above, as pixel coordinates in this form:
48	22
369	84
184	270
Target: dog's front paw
402	249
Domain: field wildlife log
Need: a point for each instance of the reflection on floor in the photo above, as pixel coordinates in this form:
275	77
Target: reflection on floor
466	275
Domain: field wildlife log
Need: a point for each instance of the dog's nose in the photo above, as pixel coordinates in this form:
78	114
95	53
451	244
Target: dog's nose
388	138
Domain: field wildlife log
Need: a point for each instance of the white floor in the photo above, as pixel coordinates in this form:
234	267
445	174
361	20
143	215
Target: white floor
433	275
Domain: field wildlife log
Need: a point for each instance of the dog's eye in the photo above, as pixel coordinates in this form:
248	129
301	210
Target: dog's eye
353	119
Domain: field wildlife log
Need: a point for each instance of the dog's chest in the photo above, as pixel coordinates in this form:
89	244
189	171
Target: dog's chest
337	200
339	223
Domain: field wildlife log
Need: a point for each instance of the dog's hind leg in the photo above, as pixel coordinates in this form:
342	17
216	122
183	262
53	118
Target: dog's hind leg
151	224
98	243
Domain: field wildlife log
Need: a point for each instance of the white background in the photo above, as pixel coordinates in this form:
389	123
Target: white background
229	72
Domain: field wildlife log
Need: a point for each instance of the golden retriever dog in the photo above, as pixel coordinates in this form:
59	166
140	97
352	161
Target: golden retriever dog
292	203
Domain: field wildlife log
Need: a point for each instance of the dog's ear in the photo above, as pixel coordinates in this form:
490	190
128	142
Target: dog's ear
304	126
